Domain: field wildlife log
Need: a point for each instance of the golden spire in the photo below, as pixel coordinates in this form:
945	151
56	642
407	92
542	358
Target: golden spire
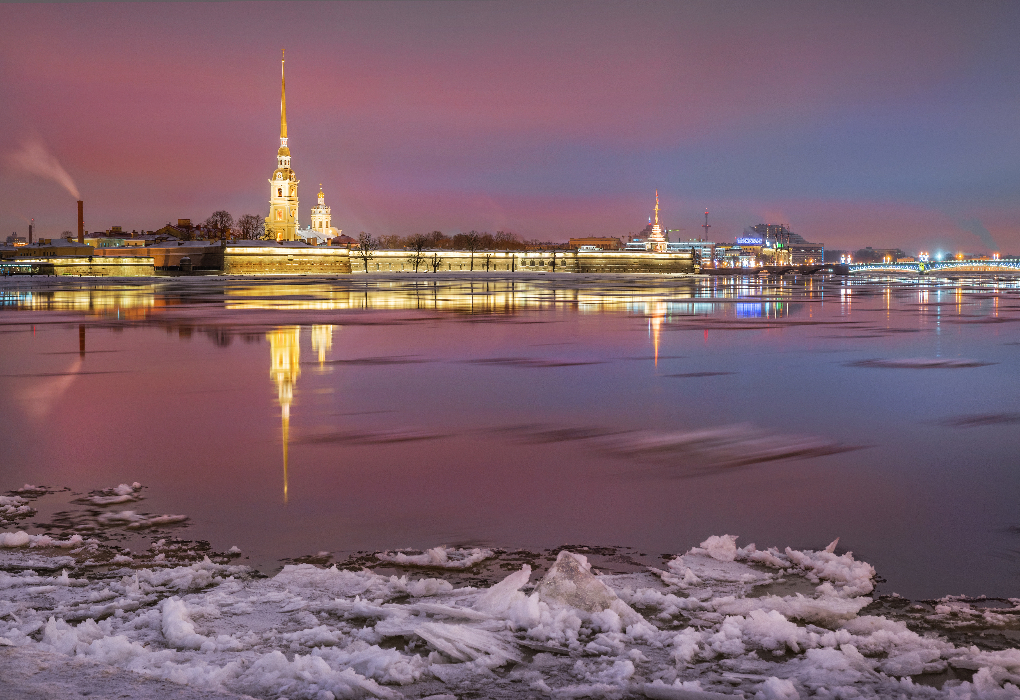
283	101
656	207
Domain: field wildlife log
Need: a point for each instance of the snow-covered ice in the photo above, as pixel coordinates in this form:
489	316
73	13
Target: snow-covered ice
720	620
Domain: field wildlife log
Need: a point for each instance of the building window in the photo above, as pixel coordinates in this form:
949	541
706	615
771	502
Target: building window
279	191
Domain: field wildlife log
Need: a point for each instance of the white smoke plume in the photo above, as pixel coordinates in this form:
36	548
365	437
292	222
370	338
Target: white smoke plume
34	157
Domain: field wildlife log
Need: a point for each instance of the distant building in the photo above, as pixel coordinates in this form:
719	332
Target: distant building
52	247
790	248
343	240
596	243
704	249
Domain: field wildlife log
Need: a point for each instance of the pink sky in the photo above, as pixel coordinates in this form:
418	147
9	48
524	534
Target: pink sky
858	124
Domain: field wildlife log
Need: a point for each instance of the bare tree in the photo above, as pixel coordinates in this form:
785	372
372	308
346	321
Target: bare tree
504	240
472	242
435	262
438	240
251	227
220	221
417	244
488	261
390	241
366	247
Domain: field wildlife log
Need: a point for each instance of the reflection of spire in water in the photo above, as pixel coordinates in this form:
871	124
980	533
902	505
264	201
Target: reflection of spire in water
657	313
322	341
285	368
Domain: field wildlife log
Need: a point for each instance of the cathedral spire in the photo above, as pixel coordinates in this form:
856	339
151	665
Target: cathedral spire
656	207
283	101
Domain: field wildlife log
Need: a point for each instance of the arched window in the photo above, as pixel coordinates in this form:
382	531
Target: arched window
279	191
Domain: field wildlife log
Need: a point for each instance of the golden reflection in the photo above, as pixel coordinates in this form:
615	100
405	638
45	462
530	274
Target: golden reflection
285	368
322	341
657	313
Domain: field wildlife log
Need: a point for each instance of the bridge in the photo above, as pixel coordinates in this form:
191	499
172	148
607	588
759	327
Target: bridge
921	268
835	268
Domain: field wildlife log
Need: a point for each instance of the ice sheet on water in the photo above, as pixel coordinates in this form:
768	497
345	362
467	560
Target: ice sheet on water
368	437
697	451
530	362
686	452
920	363
123	493
135	521
982	419
719	620
438	557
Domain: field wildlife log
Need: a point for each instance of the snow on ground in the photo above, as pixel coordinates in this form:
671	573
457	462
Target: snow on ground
718	621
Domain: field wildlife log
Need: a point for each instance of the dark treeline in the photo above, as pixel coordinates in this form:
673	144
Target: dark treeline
472	240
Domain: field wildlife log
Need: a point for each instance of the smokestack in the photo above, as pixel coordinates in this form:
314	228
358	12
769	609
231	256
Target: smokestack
30	232
81	221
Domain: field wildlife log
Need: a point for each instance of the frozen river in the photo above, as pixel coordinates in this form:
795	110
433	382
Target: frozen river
554	486
296	417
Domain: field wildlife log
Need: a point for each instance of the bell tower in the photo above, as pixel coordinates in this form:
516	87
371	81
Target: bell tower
321	218
282	222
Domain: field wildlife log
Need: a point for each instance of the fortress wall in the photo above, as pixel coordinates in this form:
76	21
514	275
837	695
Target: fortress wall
285	260
527	261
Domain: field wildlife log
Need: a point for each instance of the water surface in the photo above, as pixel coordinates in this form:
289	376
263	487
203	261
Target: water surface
290	417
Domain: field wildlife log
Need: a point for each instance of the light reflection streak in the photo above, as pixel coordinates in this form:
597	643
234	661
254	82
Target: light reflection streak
285	368
322	341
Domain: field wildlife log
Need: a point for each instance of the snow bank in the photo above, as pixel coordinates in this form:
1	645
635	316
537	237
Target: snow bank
718	621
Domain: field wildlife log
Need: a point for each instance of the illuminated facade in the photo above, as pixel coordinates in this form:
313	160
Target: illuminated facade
656	241
282	222
321	227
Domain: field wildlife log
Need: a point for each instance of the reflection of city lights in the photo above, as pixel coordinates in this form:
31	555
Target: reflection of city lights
285	368
129	302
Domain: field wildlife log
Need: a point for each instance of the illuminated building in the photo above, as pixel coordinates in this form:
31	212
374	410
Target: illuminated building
595	243
321	227
654	240
285	368
282	222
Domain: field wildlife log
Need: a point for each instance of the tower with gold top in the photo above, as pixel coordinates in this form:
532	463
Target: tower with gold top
321	226
282	222
656	241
